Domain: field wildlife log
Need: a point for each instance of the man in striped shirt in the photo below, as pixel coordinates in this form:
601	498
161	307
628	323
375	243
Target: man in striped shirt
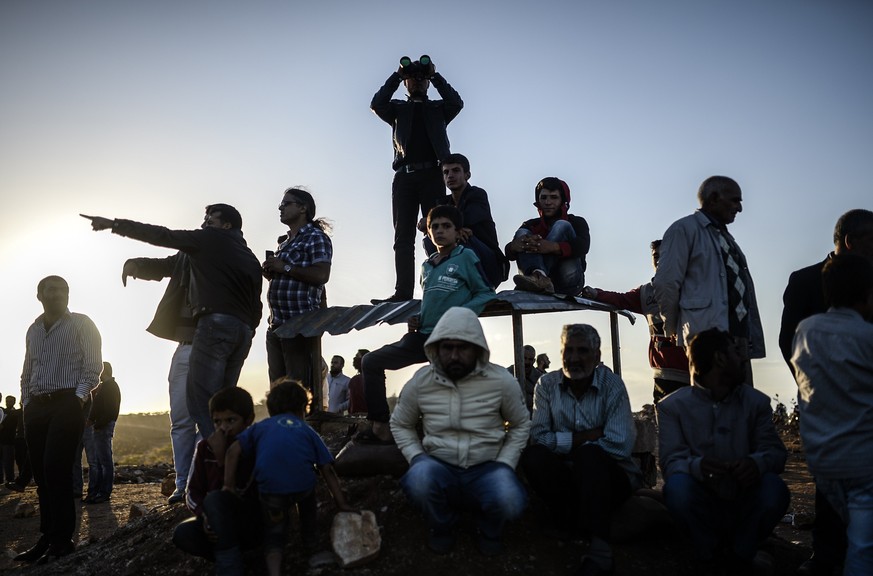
582	434
62	364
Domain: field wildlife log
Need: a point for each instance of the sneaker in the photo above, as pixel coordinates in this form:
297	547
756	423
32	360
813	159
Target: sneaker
534	283
176	497
393	298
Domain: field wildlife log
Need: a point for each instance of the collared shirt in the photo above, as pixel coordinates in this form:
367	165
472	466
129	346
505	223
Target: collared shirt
692	425
557	414
67	355
833	363
338	392
288	296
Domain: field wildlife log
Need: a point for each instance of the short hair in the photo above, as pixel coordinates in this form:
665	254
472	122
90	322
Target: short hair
229	214
714	186
585	331
288	396
10	397
363	351
46	280
446	211
107	369
655	244
847	280
542	356
458	159
341	359
553	183
854	223
529	348
703	346
233	399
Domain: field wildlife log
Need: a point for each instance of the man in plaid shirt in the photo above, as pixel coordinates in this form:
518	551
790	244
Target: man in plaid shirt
297	272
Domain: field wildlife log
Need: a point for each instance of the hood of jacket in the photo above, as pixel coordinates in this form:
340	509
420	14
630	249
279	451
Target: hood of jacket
457	323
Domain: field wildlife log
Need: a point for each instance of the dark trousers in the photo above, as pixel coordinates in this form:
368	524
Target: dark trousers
411	193
235	522
25	472
407	351
582	488
7	451
53	428
292	357
828	532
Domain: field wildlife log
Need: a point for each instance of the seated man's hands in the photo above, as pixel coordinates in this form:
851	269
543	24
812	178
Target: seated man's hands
464	234
745	471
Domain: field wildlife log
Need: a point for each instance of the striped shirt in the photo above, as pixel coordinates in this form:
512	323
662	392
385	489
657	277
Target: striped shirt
67	355
288	296
557	414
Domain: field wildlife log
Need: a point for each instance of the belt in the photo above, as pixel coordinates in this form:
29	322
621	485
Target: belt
54	396
415	166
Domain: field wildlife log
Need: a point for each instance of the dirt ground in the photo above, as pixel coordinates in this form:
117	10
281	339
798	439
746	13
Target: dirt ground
109	543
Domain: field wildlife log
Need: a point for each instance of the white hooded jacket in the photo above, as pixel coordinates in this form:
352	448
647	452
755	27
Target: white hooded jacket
480	418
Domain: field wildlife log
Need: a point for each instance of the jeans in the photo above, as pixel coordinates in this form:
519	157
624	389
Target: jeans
53	428
441	491
183	430
98	450
221	345
78	479
407	351
236	523
581	489
744	522
566	273
410	193
853	500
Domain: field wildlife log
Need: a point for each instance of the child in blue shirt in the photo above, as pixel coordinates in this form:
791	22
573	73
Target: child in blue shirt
287	452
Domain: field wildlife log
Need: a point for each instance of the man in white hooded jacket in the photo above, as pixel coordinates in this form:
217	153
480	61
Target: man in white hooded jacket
475	427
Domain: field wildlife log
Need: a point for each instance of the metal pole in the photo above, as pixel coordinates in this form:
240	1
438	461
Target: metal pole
616	345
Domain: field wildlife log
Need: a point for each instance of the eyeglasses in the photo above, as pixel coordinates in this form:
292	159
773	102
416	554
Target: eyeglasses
287	202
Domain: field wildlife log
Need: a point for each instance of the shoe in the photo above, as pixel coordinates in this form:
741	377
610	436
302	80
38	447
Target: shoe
590	567
490	547
534	283
393	298
176	497
441	542
99	499
35	553
55	551
14	486
816	567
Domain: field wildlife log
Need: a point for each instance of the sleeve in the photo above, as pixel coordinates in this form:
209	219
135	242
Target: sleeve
669	276
381	102
625	301
480	290
795	308
619	430
184	240
405	417
92	358
768	451
198	480
344	404
673	450
514	412
155	268
452	103
579	247
542	428
476	208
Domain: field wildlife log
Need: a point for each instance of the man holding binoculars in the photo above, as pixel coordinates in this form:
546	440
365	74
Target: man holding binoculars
420	143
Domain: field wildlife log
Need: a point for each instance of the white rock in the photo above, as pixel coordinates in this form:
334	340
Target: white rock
355	538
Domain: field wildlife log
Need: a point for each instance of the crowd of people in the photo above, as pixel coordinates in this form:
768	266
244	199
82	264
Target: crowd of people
486	444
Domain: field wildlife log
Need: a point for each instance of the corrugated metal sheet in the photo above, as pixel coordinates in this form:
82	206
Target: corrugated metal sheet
337	320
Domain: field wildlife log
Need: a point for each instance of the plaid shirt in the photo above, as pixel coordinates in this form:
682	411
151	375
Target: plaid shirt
288	296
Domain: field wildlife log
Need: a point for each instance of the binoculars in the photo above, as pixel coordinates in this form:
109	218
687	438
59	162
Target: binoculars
421	69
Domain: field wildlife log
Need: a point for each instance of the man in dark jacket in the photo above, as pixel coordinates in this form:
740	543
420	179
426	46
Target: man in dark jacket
551	249
804	297
7	439
225	295
174	321
99	430
420	143
479	231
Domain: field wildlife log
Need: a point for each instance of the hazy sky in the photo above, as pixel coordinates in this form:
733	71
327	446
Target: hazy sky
151	110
